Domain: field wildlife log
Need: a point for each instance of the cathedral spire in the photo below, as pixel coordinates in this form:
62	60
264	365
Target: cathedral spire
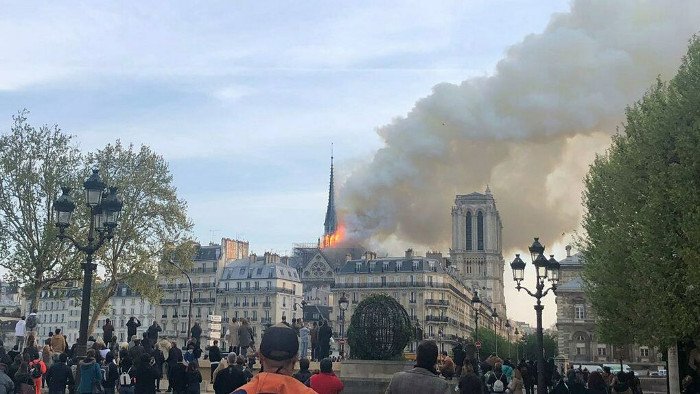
330	225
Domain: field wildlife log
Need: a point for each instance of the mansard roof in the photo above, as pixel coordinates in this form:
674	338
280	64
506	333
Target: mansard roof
392	264
574	285
208	253
259	269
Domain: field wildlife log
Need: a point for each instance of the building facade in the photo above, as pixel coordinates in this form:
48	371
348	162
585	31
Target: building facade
261	289
477	246
434	297
576	324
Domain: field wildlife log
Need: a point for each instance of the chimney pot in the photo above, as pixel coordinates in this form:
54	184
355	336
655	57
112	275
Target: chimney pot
568	250
409	253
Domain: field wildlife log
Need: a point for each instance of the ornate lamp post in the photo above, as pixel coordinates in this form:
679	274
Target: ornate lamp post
544	268
494	315
476	303
441	335
105	207
343	304
189	311
517	346
508	334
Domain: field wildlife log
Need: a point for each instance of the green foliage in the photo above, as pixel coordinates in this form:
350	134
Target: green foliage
379	329
642	220
34	163
517	347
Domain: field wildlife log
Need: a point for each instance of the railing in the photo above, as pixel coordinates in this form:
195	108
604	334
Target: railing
224	304
169	301
442	319
267	304
260	290
245	304
204	300
437	302
254	304
388	284
265	320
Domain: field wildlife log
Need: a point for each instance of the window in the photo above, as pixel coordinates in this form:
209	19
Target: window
580	349
469	267
579	312
383	281
257	285
238	286
269	284
644	351
468	246
430	280
413	296
480	231
413	280
602	351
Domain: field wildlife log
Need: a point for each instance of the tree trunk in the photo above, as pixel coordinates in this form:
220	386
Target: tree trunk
99	308
673	372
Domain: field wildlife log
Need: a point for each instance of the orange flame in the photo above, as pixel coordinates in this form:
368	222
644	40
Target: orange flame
334	239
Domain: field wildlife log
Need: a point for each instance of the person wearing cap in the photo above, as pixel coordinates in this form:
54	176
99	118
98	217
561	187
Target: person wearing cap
326	382
278	355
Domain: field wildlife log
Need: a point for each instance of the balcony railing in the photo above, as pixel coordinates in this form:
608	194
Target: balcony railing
388	284
267	304
169	301
437	302
204	300
224	304
265	320
264	290
441	319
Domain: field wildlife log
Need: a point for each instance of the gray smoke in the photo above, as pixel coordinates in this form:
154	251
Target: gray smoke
529	131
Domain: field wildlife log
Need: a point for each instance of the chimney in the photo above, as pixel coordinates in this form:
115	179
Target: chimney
409	253
568	250
253	257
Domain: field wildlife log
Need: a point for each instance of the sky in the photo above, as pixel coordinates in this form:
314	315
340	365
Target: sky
245	98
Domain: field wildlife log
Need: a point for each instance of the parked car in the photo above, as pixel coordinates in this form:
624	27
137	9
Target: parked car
615	368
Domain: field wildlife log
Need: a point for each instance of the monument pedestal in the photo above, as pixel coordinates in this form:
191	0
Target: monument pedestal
370	376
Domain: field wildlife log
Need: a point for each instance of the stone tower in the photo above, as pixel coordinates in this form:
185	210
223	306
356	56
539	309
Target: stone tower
477	246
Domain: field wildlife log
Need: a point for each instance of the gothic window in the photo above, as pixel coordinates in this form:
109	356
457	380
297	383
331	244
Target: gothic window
469	268
469	231
480	231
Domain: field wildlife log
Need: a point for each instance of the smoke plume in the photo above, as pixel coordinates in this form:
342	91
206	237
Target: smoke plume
529	130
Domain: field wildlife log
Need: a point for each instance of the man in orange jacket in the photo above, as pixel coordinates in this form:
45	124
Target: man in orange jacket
278	355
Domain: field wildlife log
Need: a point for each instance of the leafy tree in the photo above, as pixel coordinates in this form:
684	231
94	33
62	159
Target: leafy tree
529	346
151	219
34	163
642	220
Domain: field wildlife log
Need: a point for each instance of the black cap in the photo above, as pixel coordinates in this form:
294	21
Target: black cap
279	343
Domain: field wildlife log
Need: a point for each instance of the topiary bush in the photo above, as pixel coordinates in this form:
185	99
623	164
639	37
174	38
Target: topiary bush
379	329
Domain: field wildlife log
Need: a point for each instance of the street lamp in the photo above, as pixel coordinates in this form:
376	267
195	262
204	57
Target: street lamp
441	335
343	304
494	315
544	268
517	346
189	312
508	334
105	207
476	303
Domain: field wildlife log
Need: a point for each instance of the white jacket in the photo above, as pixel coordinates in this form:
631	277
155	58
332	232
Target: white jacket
20	328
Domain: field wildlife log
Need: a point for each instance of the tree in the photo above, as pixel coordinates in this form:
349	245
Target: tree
642	220
34	163
529	346
152	218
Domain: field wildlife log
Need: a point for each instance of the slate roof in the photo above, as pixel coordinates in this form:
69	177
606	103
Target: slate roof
208	253
392	264
573	285
574	260
335	256
258	269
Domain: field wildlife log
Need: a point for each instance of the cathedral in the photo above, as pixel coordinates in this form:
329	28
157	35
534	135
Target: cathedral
477	246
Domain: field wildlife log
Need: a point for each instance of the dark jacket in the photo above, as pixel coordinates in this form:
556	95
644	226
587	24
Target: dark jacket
229	379
125	360
178	377
459	354
59	376
417	380
146	376
196	331
160	359
107	332
112	376
153	331
89	373
136	352
131	327
214	354
174	355
193	378
303	375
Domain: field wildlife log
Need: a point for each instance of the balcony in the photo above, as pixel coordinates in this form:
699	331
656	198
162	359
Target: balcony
404	285
442	303
267	304
254	318
266	320
411	301
204	300
246	304
439	319
254	304
224	304
169	301
236	304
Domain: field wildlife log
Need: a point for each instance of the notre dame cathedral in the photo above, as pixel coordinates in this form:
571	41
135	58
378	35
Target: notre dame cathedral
477	246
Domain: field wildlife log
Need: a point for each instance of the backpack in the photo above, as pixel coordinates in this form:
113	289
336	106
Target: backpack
498	385
35	372
31	322
125	379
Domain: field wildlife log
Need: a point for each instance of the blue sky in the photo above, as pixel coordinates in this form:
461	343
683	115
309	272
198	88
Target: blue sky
244	98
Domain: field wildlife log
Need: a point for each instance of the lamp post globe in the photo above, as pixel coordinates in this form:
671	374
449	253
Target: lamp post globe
94	187
553	269
64	207
518	267
536	249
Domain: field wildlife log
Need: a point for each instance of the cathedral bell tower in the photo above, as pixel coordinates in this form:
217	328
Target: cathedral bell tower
477	246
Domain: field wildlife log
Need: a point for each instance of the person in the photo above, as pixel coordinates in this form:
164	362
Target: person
447	368
32	321
58	342
278	355
304	374
222	365
245	337
196	331
20	332
193	378
596	383
37	370
635	384
88	374
30	352
497	380
304	334
233	336
22	381
621	384
326	382
314	341
125	360
230	378
7	386
157	356
107	332
214	358
177	376
251	358
423	378
284	321
189	355
131	327
324	340
110	374
247	372
459	356
297	325
13	352
530	376
153	331
146	374
59	375
174	357
470	384
516	384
